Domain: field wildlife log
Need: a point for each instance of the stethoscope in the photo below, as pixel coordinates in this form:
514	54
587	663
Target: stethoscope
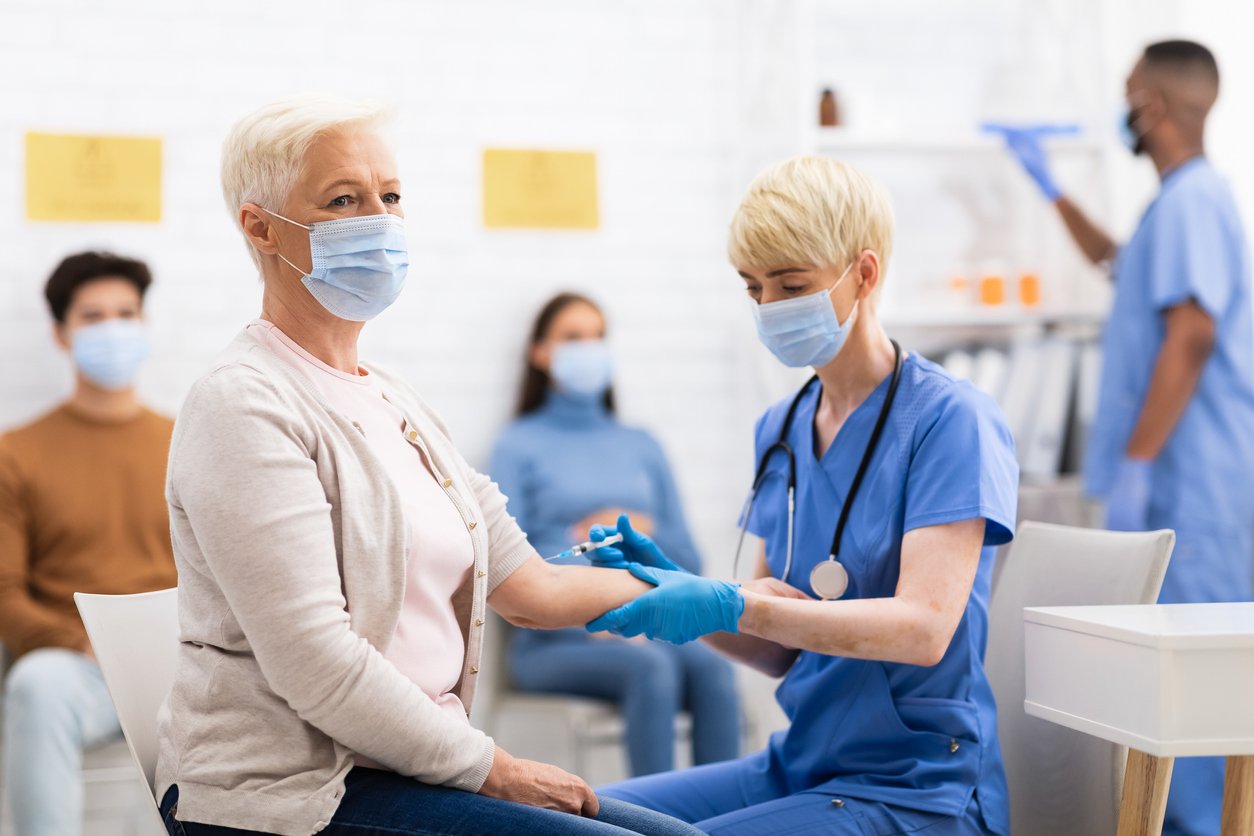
829	579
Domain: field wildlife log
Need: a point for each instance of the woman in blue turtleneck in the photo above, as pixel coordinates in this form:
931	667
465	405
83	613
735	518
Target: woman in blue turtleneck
567	464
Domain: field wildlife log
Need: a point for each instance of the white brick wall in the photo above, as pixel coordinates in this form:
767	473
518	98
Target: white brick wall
644	84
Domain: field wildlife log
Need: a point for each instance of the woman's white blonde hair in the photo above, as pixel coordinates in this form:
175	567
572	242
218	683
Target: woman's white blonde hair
811	211
264	154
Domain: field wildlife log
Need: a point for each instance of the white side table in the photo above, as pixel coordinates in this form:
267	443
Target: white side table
1166	681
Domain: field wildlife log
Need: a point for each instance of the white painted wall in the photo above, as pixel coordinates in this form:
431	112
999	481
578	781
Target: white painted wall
644	85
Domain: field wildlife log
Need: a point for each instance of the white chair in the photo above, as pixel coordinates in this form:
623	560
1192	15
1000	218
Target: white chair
135	639
1062	781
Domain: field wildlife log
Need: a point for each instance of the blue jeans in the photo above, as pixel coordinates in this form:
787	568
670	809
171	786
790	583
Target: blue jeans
378	803
55	706
650	682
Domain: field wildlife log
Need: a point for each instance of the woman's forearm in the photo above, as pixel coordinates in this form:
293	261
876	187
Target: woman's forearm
887	629
548	597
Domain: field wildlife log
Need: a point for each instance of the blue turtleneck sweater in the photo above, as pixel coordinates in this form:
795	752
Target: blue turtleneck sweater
571	458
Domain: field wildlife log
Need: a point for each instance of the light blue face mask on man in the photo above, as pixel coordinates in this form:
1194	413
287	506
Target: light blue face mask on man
110	353
804	331
358	264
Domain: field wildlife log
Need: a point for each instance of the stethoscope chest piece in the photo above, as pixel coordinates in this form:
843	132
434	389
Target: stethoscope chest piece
829	580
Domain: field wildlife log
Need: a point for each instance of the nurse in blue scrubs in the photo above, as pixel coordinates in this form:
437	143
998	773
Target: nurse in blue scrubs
883	487
1172	443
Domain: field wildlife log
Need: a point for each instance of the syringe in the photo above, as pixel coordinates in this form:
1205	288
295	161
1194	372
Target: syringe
591	545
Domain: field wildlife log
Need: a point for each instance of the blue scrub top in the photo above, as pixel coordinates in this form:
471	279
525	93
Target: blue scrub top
922	738
1190	244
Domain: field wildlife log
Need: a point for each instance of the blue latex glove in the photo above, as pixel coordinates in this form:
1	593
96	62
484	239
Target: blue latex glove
684	607
635	548
1024	142
1127	507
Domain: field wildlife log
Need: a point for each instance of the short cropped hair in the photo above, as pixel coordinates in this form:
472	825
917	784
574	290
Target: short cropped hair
811	210
263	155
78	269
1183	57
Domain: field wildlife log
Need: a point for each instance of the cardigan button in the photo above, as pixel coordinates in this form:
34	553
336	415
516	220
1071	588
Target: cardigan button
448	483
474	670
478	622
481	574
472	525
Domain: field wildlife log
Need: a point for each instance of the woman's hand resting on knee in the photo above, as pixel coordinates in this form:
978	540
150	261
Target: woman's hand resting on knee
538	784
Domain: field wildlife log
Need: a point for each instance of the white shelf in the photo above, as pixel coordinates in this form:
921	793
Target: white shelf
846	140
1002	316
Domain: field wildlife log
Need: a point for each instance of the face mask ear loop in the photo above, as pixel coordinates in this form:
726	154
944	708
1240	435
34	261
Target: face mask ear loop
832	289
852	310
284	218
279	254
290	264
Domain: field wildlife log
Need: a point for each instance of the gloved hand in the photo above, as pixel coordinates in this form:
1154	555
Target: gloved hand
1127	507
684	607
635	548
1024	142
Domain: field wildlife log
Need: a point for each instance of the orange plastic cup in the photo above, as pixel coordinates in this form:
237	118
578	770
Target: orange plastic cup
992	290
1030	290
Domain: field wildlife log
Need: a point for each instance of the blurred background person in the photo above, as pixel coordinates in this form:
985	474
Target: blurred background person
567	464
1172	445
82	509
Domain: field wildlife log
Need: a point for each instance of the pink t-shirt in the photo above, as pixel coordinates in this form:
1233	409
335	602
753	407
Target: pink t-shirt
428	646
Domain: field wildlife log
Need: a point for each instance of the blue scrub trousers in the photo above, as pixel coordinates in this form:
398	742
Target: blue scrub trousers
735	798
650	682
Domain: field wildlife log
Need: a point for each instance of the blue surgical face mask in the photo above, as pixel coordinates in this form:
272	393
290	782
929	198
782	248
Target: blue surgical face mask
1127	133
359	264
804	331
110	353
582	367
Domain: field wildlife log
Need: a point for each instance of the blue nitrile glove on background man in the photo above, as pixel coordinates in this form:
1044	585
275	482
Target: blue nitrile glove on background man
635	548
682	608
1127	506
1024	142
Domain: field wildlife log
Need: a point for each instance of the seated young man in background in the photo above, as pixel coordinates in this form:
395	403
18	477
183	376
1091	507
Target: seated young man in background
82	509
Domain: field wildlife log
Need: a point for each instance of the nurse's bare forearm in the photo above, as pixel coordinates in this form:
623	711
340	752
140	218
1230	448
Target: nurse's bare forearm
883	629
1092	240
915	626
1187	345
548	597
763	655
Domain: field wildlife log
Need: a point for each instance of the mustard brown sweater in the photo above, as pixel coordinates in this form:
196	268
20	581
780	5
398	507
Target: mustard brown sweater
82	509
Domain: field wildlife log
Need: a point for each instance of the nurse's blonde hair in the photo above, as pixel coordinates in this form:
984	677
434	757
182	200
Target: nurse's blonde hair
811	211
263	155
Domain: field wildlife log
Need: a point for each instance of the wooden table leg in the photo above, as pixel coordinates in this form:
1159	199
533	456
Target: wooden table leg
1145	785
1238	796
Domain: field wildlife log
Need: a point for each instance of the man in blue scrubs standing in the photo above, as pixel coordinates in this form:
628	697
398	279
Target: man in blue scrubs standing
1172	444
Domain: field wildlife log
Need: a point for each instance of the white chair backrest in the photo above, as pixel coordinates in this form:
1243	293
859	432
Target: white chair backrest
135	639
1062	781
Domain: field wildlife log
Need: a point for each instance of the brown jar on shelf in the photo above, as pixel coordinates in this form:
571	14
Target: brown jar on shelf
829	111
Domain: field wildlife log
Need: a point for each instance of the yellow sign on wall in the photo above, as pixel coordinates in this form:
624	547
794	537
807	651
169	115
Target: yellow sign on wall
539	189
71	177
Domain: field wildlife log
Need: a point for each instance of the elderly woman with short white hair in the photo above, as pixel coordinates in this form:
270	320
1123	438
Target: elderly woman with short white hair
336	554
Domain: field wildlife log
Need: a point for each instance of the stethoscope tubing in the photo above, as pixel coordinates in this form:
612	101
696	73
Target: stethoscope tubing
781	445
